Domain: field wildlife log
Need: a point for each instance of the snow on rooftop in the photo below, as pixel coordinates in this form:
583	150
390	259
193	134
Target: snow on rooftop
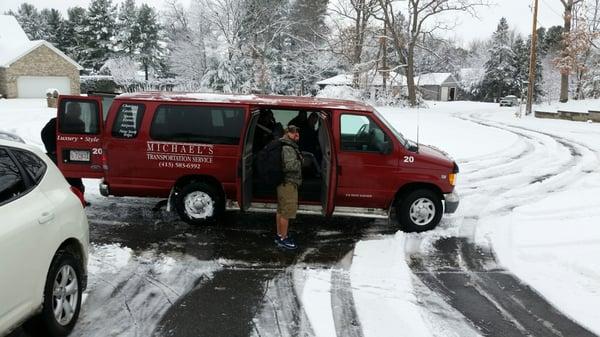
370	78
432	78
14	43
11	32
13	40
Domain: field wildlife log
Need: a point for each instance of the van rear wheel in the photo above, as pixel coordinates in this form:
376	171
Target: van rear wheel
419	211
198	203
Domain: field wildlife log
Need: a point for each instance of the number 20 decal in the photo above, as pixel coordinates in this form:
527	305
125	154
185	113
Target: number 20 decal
97	151
409	159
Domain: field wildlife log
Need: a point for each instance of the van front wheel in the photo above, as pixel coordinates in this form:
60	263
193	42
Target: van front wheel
198	203
419	211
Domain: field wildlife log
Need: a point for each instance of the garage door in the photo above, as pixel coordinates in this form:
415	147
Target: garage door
36	86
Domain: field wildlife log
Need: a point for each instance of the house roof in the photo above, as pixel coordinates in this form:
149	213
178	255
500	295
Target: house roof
255	100
14	43
434	79
371	78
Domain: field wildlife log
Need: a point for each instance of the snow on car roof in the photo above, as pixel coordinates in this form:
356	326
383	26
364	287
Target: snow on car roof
257	100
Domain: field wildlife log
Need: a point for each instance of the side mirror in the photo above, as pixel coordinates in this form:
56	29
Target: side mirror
385	148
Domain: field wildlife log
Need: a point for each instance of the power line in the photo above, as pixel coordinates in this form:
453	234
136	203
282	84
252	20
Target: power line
552	9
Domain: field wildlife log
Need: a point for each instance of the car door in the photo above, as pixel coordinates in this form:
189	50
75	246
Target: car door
247	163
26	213
80	125
366	164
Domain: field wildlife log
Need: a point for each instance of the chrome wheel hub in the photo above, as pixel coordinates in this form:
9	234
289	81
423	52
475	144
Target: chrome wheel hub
199	205
422	211
65	295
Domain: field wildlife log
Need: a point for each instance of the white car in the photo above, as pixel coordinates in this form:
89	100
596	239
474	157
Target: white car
44	239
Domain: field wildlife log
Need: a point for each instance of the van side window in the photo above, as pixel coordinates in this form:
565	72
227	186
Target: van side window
78	117
361	134
128	120
11	181
197	124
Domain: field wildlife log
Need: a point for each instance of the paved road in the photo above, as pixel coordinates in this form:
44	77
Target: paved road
254	292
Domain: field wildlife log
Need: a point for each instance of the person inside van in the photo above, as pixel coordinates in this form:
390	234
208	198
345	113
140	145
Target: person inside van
300	121
264	130
287	191
72	122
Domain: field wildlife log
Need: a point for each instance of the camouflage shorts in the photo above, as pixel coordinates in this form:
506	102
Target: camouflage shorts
287	200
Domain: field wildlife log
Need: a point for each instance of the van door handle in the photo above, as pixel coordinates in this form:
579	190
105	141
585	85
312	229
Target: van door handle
46	217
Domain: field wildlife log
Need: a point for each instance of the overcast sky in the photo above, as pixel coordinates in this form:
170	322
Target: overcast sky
517	12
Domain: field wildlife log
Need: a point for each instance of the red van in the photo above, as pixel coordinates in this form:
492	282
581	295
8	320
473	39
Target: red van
198	151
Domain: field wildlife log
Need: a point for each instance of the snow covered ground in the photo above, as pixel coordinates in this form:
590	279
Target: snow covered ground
529	190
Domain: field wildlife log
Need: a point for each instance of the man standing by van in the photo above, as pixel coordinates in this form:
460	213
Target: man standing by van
287	191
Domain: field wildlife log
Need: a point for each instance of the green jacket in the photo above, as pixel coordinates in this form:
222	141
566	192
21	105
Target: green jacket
291	160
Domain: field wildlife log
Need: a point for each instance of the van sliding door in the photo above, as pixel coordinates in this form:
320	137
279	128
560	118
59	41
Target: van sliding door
247	164
328	180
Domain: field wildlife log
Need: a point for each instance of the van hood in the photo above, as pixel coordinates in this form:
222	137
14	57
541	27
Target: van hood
437	156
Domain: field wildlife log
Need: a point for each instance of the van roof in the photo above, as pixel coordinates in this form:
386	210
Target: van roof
260	100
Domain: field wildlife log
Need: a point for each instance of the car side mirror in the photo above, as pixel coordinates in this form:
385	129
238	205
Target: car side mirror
386	148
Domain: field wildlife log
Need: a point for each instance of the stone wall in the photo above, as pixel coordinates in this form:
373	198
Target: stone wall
593	116
2	82
41	61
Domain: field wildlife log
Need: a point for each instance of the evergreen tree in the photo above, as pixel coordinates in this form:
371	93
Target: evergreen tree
73	33
147	30
499	78
538	91
53	25
98	34
30	20
127	37
521	65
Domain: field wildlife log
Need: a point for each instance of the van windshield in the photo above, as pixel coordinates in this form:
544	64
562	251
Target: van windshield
396	133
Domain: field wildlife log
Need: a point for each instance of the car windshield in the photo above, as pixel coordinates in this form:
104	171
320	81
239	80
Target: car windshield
396	133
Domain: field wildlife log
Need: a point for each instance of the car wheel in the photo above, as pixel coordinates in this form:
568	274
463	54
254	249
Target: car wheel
62	298
199	203
419	211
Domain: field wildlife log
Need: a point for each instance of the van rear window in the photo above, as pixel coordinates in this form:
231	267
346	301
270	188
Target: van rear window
78	117
197	124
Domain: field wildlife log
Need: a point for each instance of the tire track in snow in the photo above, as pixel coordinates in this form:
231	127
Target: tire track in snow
468	276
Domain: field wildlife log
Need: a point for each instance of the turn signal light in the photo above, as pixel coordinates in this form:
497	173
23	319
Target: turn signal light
452	178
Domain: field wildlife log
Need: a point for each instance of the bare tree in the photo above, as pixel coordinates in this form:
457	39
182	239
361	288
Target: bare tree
421	22
359	13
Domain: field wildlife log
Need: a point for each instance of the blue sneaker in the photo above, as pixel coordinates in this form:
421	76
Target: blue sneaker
287	243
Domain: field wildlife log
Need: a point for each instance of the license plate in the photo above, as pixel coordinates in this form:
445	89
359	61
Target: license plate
76	155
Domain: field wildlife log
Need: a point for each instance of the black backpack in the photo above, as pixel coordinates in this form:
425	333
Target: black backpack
268	165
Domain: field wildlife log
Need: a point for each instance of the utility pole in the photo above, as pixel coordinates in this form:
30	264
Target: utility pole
532	60
384	67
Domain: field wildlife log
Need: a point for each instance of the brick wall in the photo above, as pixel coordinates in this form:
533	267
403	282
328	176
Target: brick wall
41	61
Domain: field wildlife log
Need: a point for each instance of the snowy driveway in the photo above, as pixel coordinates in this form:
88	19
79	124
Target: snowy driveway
529	212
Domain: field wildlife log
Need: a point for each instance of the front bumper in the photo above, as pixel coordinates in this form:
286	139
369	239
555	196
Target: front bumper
451	201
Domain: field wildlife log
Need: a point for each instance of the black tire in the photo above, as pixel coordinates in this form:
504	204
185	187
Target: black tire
432	211
45	323
207	197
